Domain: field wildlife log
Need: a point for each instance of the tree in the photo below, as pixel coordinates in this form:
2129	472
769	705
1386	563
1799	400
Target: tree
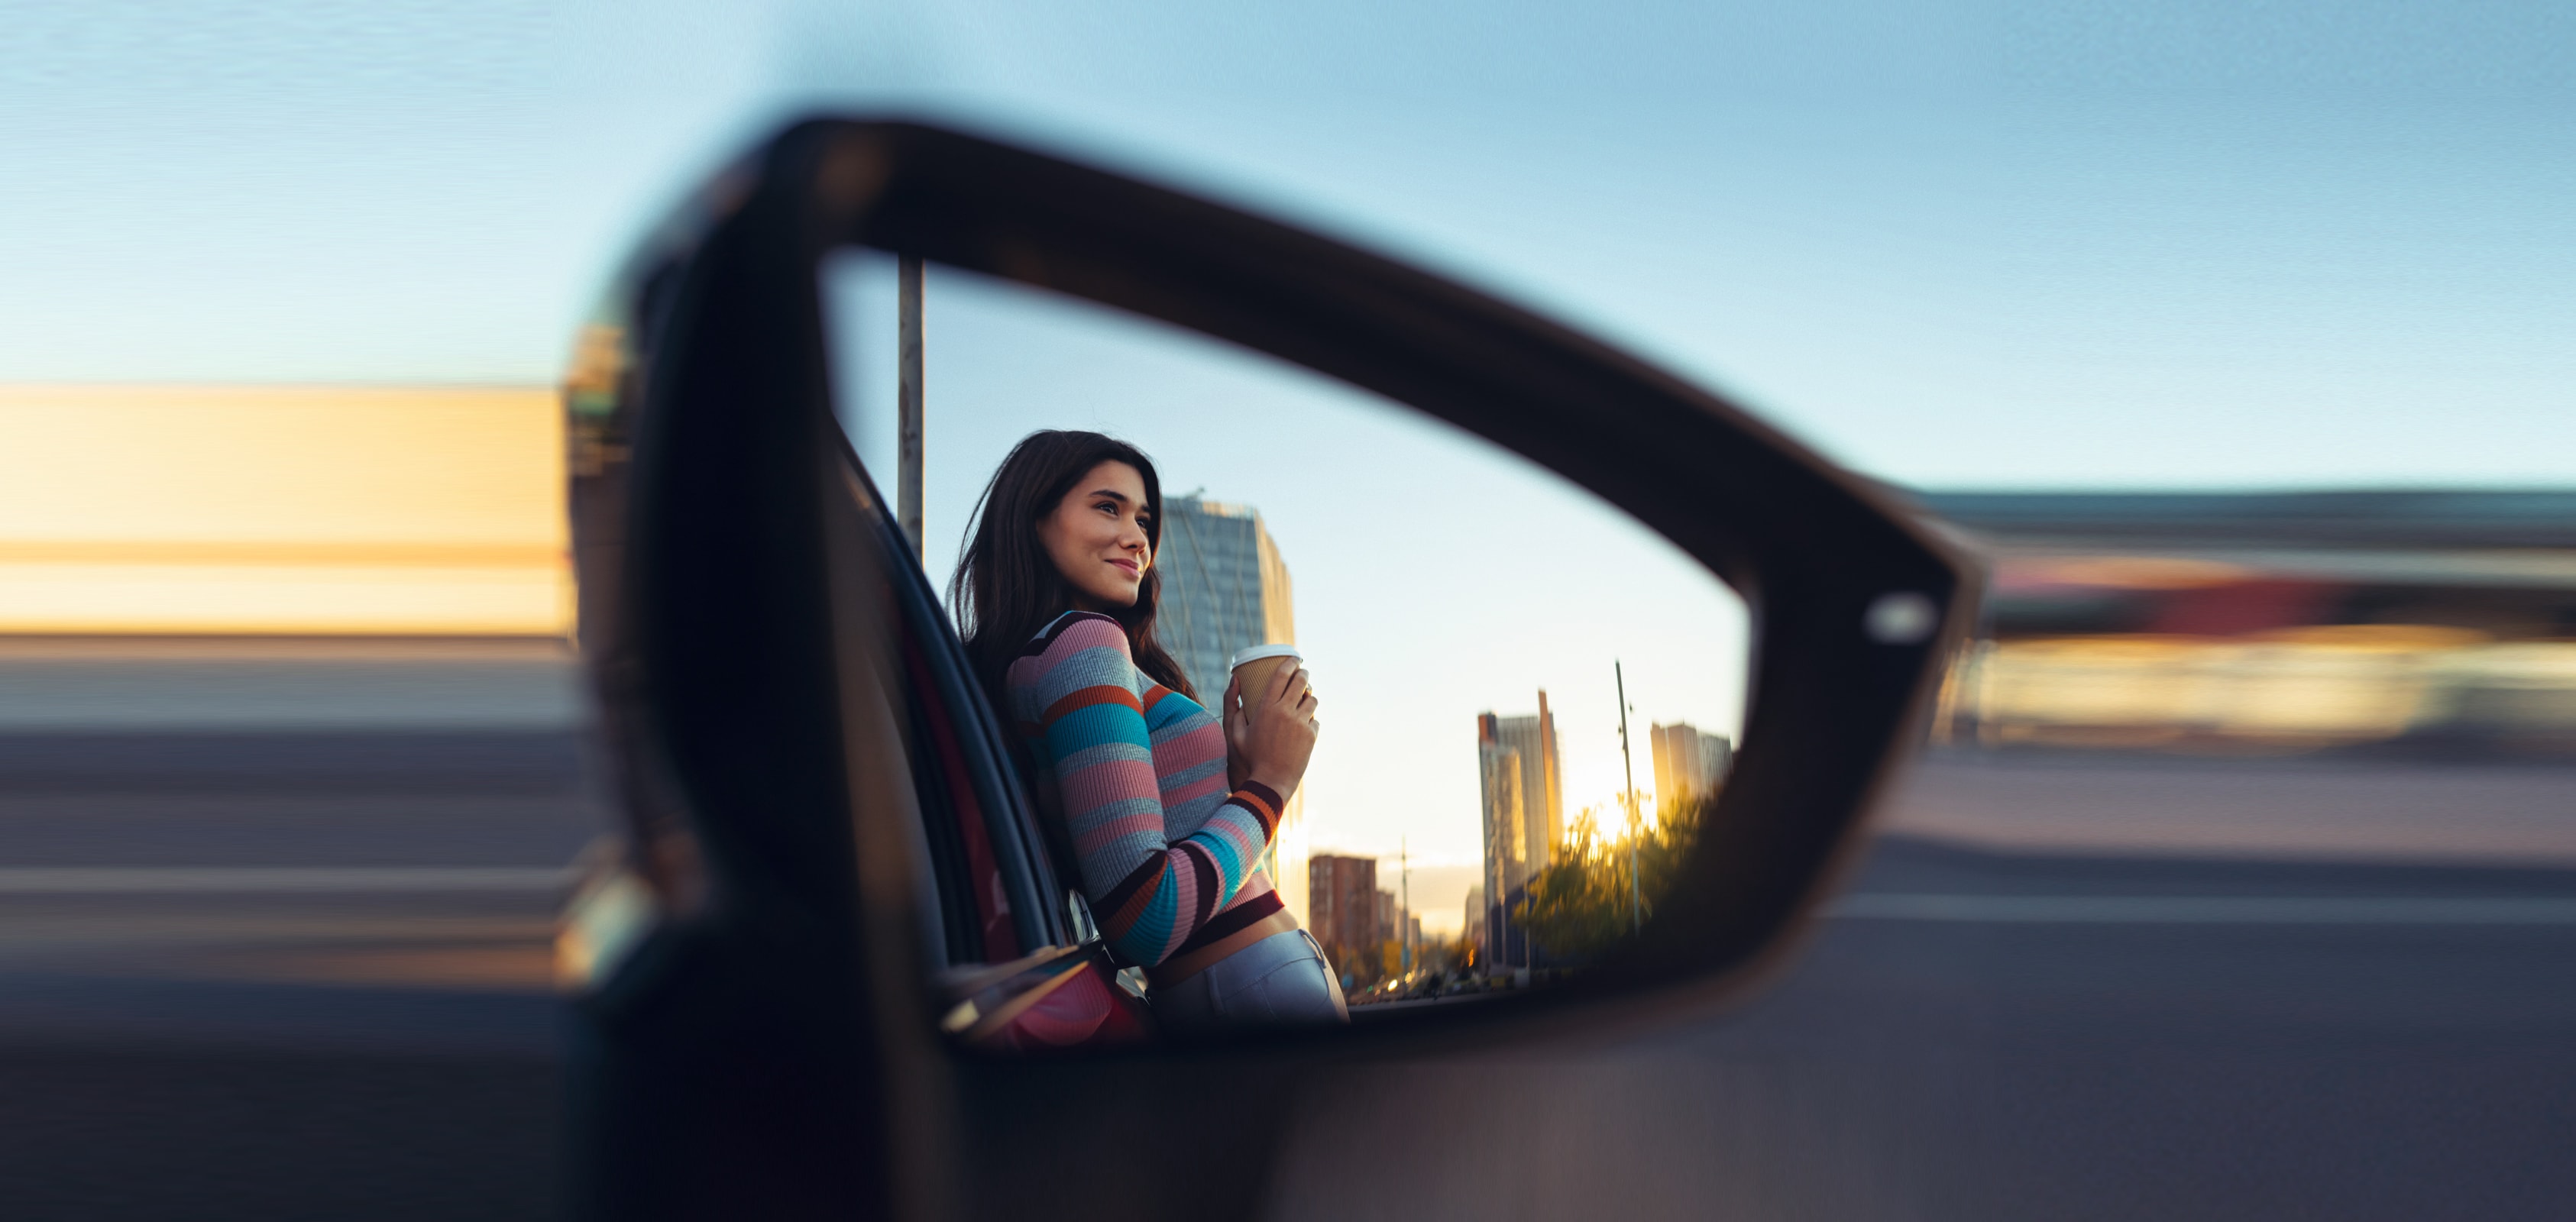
1578	907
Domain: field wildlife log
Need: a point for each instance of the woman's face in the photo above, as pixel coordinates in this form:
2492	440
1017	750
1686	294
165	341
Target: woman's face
1096	536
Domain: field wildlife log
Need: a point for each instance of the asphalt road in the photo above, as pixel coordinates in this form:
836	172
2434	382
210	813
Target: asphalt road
281	975
302	975
2055	1037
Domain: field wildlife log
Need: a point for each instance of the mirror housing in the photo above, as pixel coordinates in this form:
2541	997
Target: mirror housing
767	1005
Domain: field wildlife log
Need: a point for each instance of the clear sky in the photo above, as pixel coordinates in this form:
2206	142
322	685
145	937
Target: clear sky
2000	243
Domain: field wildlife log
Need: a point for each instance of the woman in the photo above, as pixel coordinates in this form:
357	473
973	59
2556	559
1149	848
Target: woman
1163	807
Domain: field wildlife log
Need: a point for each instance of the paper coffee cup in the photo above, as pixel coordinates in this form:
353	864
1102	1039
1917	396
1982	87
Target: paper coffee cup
1259	664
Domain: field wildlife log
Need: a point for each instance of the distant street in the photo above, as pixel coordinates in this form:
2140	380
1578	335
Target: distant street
2060	988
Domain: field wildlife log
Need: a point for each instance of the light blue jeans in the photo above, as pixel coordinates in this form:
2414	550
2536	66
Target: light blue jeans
1281	980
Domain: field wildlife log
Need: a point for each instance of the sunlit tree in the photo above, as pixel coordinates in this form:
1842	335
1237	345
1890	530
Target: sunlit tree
1578	908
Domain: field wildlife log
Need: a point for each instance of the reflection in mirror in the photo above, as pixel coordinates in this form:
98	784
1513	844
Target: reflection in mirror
1522	699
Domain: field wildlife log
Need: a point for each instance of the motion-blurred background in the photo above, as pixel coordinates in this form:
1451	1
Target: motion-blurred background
2238	878
288	784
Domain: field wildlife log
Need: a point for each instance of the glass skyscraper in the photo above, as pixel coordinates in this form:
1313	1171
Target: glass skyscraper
1524	801
1224	587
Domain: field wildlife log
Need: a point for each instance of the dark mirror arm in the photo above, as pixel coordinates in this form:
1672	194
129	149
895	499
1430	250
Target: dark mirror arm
740	641
1813	549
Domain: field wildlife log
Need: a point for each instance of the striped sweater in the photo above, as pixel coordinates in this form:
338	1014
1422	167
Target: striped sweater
1136	771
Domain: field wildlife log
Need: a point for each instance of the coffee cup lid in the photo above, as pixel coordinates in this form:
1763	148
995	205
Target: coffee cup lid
1254	653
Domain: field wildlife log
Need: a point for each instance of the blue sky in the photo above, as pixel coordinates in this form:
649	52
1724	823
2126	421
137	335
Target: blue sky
1998	243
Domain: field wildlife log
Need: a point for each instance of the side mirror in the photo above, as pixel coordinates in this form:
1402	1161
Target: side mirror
770	1009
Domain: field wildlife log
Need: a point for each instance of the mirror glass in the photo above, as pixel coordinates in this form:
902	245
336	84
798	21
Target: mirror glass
1479	815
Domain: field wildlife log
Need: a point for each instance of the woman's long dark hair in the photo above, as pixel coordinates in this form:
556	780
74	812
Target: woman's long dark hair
1007	587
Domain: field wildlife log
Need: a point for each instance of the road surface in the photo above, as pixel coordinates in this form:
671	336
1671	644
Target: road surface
301	974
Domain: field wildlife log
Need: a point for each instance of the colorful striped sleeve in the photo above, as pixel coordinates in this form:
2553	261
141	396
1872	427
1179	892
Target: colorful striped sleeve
1149	893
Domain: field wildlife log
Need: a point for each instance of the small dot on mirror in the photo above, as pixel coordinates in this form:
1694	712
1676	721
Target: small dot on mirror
1902	618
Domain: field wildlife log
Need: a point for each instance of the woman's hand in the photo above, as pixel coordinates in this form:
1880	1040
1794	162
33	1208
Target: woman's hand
1272	736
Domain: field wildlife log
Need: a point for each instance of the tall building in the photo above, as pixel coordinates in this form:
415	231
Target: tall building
1542	786
1343	893
1506	820
1688	761
1716	756
1473	932
1224	587
1524	808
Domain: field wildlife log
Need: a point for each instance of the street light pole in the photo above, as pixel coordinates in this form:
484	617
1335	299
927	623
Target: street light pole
907	484
1628	771
1404	864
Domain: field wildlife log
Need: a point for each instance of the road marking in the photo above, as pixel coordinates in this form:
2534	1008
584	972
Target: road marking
2208	909
201	880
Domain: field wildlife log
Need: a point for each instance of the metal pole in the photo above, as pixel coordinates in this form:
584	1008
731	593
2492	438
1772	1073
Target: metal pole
1636	910
1404	863
907	484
